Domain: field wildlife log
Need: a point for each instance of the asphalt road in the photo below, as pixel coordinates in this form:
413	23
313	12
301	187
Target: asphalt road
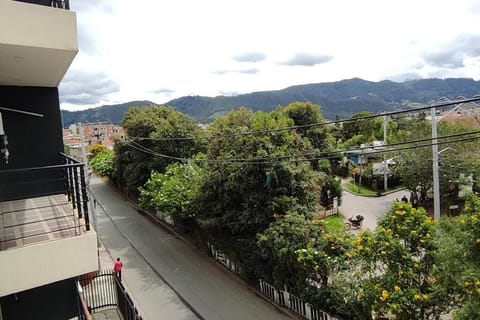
369	207
168	278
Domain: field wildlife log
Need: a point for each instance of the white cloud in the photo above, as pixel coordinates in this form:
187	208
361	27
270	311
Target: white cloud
160	50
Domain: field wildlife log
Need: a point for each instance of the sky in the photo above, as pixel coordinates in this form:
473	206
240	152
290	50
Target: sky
159	50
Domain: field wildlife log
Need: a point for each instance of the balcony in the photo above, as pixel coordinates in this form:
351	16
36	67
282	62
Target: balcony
38	42
45	236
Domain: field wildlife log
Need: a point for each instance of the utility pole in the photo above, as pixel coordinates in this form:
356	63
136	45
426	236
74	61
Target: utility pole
87	178
385	165
436	179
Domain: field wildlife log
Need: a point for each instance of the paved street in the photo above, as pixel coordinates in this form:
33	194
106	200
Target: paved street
369	207
168	278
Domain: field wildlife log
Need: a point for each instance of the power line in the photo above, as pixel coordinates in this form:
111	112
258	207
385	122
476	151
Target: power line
316	155
316	124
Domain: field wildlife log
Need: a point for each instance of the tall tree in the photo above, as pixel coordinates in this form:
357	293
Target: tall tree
251	177
156	137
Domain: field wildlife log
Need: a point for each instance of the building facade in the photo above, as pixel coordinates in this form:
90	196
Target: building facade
46	238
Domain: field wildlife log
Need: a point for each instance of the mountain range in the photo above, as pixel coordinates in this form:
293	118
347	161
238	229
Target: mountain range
340	99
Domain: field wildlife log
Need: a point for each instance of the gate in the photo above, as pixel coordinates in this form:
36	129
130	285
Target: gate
102	290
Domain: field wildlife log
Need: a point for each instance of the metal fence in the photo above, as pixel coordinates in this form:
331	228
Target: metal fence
280	297
285	299
103	290
223	259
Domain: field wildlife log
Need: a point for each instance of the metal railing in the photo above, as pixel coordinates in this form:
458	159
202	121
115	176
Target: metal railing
50	195
63	4
104	290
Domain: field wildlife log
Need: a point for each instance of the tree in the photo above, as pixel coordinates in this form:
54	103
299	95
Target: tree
403	254
172	192
361	130
458	258
309	120
279	245
102	162
251	177
156	137
96	149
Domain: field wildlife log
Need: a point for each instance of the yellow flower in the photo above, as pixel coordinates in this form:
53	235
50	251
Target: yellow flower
396	288
383	252
467	283
478	241
413	232
462	221
416	297
425	297
384	295
348	254
359	247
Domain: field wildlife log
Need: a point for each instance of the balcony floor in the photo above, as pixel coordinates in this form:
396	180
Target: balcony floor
29	221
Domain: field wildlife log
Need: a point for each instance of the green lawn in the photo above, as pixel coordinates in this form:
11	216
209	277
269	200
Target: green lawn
361	190
334	223
354	188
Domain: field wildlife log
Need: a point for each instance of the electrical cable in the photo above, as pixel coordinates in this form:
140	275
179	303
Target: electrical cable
232	135
317	155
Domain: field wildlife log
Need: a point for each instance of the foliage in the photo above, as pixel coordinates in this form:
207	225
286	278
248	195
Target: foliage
172	192
279	244
102	162
459	256
250	178
149	145
456	159
304	114
96	149
361	131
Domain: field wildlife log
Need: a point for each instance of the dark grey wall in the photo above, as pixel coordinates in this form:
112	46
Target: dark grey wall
55	301
32	141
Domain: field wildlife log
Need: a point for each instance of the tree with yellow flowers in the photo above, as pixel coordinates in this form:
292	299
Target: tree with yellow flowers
458	256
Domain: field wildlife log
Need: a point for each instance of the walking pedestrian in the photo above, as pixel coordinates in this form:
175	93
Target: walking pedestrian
117	269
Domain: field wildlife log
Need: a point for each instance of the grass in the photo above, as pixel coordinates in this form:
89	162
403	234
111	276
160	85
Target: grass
334	223
361	190
364	191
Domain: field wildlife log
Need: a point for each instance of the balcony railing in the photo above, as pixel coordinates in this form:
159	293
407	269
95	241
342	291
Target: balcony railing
63	4
43	203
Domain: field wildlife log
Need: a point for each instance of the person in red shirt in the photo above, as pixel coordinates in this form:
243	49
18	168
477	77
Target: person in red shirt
117	269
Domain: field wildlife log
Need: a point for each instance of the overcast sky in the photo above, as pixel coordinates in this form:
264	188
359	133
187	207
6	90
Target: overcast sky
159	50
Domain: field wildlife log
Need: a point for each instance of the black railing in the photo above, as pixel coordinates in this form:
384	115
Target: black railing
103	290
54	192
63	4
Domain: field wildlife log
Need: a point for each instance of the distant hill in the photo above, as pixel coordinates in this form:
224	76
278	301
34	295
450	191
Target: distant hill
338	99
108	113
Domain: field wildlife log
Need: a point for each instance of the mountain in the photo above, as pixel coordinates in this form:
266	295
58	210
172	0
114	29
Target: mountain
339	99
108	113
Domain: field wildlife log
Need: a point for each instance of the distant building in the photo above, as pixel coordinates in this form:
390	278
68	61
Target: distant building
104	133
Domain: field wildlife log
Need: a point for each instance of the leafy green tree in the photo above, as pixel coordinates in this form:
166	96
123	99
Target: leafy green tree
252	177
304	114
362	130
96	149
403	255
172	192
156	137
102	162
458	256
279	245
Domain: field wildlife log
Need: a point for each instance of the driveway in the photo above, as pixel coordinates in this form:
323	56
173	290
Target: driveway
369	207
